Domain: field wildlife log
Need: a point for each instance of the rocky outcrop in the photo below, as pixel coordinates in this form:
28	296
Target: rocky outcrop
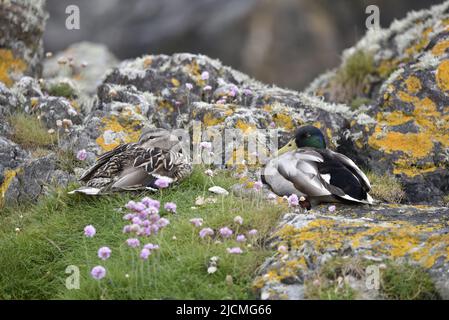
21	42
308	244
398	77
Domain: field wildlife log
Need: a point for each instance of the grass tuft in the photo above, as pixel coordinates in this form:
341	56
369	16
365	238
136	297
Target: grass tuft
30	132
385	188
61	89
35	258
407	282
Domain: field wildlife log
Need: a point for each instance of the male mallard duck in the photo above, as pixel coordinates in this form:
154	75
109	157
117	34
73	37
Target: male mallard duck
306	168
137	166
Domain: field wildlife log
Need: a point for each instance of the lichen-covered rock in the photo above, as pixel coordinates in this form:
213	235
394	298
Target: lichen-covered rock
23	23
399	76
376	235
180	90
83	63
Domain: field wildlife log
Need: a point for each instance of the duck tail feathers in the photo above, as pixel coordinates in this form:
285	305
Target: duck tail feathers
87	190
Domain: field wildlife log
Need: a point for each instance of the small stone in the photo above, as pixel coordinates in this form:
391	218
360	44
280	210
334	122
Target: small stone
219	190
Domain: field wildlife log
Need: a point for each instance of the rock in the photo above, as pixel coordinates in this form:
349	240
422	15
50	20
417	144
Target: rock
286	42
23	23
30	178
85	63
408	234
400	75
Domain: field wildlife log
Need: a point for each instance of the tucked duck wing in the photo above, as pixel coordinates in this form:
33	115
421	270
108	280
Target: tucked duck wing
101	165
300	167
280	185
343	178
349	164
151	165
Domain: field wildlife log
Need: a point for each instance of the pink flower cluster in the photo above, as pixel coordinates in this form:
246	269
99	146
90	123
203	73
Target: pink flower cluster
144	217
226	233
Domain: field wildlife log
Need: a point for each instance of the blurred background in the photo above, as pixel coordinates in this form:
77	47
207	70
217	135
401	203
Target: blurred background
285	42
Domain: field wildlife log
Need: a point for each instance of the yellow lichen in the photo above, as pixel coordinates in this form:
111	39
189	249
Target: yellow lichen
283	120
10	65
210	120
395	239
175	82
413	84
244	126
417	145
440	48
8	176
117	131
442	75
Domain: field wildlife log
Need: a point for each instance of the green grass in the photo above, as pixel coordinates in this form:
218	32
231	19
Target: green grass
385	187
33	260
30	132
328	282
407	282
61	89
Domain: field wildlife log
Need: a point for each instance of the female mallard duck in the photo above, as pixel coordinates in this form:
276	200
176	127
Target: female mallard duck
137	166
306	168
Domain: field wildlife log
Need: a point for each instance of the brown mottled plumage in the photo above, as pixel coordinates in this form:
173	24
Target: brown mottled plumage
136	166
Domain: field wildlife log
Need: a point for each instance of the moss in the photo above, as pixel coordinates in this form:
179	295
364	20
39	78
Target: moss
407	282
62	89
30	132
446	200
358	102
352	79
385	187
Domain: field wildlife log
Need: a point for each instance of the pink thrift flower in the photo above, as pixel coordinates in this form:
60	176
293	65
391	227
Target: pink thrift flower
162	183
252	232
189	86
151	203
209	173
226	232
150	246
127	229
144	254
163	222
133	243
206	232
170	207
89	231
247	92
332	208
104	253
282	249
197	222
241	238
234	250
128	216
98	272
258	185
238	220
205	75
293	200
206	145
81	155
207	88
